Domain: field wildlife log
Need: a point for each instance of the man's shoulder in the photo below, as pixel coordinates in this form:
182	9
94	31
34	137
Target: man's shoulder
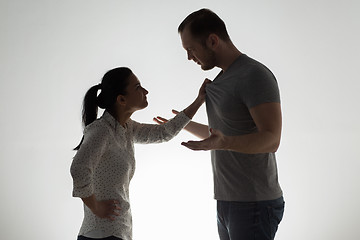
245	64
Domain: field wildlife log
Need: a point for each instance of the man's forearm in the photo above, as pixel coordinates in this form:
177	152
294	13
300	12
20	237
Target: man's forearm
261	142
199	130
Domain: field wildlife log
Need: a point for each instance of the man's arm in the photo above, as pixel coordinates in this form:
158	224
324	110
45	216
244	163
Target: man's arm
267	117
199	130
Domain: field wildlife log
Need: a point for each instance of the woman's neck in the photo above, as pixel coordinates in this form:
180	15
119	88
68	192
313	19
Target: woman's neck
121	116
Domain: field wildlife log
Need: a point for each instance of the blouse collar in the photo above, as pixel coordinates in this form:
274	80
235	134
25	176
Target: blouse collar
113	122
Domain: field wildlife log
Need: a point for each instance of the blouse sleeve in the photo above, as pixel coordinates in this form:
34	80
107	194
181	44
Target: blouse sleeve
86	159
154	133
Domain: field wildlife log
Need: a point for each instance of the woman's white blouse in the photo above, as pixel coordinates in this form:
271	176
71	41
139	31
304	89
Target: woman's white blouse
105	164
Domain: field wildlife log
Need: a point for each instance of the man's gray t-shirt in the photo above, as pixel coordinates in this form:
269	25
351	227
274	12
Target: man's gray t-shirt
237	176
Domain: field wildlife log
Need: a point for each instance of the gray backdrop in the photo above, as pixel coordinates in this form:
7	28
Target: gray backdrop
51	52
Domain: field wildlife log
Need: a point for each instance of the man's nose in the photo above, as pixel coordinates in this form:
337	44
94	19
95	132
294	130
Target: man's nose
145	91
190	56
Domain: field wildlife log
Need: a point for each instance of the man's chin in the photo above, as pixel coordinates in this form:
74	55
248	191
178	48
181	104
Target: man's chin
206	68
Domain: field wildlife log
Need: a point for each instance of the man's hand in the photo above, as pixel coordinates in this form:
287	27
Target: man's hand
266	139
216	141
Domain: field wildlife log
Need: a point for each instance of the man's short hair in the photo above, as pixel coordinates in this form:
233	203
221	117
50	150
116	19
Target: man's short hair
204	22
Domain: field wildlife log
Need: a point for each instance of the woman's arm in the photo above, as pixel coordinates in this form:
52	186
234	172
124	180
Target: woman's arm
87	158
193	107
150	133
199	130
82	168
103	209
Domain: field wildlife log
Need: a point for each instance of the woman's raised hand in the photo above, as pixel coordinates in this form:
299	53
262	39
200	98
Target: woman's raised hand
161	120
202	91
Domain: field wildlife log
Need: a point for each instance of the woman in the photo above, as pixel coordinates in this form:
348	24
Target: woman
104	163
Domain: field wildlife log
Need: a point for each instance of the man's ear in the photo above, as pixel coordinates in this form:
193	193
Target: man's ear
212	41
120	99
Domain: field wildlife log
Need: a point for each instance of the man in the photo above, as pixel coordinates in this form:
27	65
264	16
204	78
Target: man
244	113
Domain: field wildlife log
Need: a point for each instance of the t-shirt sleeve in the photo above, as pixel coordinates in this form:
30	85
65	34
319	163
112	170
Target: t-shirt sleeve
261	87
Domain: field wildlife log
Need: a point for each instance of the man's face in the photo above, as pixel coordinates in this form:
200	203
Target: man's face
197	52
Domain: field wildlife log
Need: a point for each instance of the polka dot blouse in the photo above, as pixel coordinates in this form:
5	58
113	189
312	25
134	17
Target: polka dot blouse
105	164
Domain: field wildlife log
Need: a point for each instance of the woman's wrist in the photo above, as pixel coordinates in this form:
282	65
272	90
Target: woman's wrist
90	202
192	108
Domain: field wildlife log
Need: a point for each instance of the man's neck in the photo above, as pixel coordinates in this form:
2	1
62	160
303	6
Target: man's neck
229	54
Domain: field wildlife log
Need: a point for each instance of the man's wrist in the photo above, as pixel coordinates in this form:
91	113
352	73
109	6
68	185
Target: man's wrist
226	143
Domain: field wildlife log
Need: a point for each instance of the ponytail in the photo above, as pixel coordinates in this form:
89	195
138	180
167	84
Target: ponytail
113	83
90	108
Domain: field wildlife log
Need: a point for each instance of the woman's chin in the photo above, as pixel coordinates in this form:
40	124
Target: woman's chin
146	104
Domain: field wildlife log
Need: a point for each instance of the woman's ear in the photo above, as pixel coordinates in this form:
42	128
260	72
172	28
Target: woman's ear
120	99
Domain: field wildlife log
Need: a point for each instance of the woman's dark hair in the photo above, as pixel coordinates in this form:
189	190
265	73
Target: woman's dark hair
113	84
204	22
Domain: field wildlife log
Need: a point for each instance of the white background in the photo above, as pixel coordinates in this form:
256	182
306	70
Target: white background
51	52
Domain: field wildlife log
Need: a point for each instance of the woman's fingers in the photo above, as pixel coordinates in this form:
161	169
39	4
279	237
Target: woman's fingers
160	120
114	210
175	112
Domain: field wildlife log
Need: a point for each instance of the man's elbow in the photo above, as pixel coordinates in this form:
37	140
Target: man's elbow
275	145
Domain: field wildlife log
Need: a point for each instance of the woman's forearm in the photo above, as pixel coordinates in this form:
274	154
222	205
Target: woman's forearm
103	209
90	202
193	107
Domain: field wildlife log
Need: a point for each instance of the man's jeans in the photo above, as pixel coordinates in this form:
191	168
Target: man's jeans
249	220
107	238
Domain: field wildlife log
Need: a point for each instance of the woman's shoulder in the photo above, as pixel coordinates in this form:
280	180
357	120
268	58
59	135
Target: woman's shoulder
132	125
96	127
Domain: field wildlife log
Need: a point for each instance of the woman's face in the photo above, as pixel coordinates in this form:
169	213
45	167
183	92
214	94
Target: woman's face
135	94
